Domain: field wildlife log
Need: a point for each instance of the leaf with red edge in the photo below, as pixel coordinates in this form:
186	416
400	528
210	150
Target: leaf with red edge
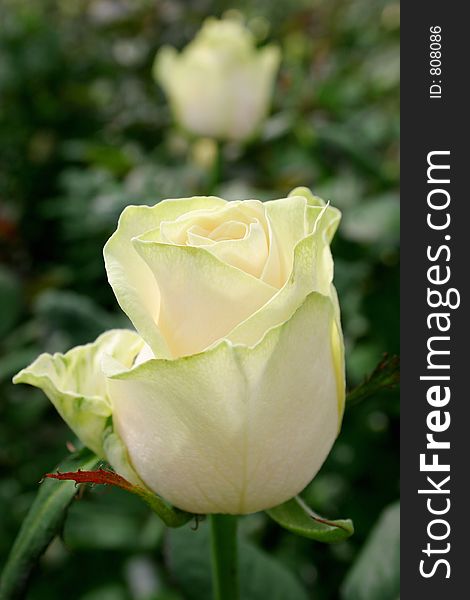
100	477
171	516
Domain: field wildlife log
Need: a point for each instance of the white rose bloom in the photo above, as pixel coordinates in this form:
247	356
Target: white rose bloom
231	394
220	85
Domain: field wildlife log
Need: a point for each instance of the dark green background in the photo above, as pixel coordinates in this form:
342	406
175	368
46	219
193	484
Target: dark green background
84	130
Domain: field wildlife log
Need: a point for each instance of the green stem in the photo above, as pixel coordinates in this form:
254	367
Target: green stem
224	557
216	175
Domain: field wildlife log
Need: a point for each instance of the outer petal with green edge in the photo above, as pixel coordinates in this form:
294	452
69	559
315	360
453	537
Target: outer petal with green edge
234	429
116	454
130	277
312	270
75	384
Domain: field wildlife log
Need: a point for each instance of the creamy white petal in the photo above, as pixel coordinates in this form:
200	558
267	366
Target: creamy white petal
130	277
234	429
312	271
117	455
287	222
202	298
337	343
251	90
248	254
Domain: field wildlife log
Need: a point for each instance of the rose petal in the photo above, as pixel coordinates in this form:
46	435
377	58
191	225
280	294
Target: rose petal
235	429
76	386
202	298
130	277
312	271
287	223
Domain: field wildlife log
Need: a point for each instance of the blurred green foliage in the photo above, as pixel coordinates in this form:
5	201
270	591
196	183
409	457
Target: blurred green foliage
84	130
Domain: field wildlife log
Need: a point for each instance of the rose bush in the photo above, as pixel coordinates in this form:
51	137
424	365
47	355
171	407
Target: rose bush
230	394
220	85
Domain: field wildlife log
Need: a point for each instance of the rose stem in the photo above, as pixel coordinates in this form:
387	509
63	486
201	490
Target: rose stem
216	171
224	557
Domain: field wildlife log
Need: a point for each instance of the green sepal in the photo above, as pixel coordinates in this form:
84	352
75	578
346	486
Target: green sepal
298	518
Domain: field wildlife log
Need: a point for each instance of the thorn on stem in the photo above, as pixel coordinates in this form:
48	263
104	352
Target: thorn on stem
70	446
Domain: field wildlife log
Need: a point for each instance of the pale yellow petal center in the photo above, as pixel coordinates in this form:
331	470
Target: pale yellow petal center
237	234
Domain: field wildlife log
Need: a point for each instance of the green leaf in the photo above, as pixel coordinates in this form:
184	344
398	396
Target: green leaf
10	300
345	140
385	375
40	526
73	315
261	575
376	573
298	518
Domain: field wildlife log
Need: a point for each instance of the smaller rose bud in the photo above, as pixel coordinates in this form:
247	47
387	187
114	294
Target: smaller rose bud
220	85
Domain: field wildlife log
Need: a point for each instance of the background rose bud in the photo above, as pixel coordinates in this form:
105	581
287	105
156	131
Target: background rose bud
220	85
234	396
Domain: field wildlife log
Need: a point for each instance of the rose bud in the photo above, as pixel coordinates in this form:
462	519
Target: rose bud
220	85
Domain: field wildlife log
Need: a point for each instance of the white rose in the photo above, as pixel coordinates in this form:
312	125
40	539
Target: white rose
231	394
220	85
